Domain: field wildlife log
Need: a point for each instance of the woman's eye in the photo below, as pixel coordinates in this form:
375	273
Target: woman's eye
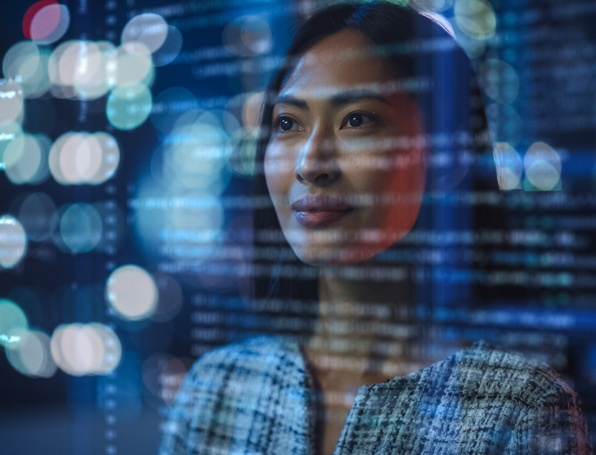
286	124
356	119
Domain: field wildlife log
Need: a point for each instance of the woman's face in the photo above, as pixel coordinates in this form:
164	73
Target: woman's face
343	166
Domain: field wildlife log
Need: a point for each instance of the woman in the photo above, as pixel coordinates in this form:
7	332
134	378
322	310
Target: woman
346	159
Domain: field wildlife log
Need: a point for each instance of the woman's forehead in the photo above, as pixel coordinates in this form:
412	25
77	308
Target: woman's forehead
337	63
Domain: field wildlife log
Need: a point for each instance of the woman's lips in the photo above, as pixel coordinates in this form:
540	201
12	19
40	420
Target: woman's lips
319	211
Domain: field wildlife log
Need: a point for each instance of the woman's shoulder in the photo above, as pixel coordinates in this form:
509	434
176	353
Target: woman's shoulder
486	367
250	356
504	399
483	371
228	386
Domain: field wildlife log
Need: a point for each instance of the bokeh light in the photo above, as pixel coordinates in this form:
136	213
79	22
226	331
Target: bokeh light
169	302
170	105
509	166
251	110
228	120
195	155
148	28
80	228
32	12
192	169
79	158
33	356
152	371
17	57
178	223
48	24
26	159
499	80
247	36
194	229
543	166
26	63
473	48
43	171
134	65
8	133
505	123
13	241
170	49
244	143
247	108
129	107
110	157
12	323
11	102
111	347
114	226
54	158
97	74
163	375
83	69
72	61
85	349
30	300
131	293
475	18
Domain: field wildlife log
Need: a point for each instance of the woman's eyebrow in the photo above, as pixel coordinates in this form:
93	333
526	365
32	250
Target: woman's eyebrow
336	100
353	96
291	100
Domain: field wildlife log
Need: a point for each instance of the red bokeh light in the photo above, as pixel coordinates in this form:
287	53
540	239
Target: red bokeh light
30	14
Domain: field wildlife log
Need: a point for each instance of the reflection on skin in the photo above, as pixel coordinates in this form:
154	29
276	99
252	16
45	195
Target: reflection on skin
317	164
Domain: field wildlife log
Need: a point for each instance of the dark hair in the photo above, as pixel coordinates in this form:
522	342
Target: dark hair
426	59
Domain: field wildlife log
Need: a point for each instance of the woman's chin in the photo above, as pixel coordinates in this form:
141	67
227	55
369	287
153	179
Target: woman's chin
325	255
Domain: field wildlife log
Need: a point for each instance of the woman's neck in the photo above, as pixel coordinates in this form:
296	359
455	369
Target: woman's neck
362	323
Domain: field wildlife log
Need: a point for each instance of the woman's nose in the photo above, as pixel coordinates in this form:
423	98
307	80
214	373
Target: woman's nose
317	161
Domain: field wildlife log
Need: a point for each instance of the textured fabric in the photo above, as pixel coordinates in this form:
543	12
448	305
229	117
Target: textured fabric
253	398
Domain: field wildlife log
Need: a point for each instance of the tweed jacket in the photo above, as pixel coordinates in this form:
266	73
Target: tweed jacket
253	398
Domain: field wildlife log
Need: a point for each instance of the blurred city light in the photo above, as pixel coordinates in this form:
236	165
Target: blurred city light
128	107
32	357
13	322
46	22
26	159
170	49
83	158
131	293
80	227
11	102
13	241
148	28
499	80
475	18
543	166
247	36
85	349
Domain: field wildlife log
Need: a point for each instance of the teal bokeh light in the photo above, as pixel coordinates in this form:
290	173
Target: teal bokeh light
129	107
